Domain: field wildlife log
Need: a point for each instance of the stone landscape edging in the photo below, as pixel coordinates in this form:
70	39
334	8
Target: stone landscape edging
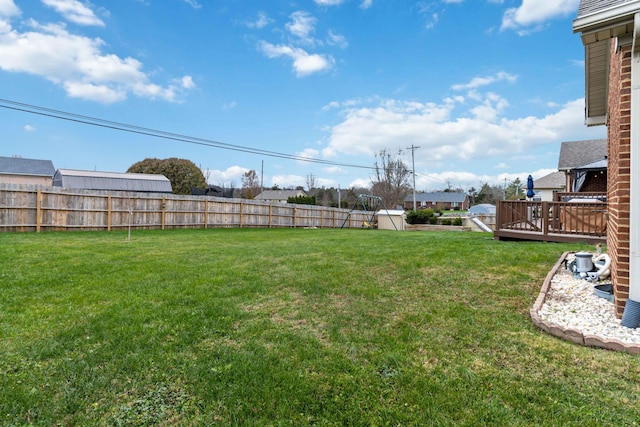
570	334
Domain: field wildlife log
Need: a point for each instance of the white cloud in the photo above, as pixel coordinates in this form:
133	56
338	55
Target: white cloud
477	82
431	16
302	26
480	132
359	183
193	3
224	178
261	21
334	39
74	11
8	8
78	64
284	181
29	128
94	92
229	105
466	180
311	153
187	82
304	63
533	13
329	2
366	4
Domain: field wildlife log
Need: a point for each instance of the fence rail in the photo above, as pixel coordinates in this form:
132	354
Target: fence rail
30	208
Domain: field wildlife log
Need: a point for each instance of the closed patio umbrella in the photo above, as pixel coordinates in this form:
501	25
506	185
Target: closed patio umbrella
530	192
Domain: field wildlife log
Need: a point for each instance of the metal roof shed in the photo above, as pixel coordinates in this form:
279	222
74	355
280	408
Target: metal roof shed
72	179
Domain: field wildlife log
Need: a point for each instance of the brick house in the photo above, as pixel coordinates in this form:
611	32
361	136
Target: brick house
438	200
612	93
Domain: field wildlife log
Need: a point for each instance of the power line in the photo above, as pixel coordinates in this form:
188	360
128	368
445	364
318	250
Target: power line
124	127
431	177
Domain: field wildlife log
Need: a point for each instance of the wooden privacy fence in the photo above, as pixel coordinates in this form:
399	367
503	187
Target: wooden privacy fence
27	208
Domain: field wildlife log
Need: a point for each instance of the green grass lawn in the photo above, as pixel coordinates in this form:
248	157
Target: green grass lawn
292	327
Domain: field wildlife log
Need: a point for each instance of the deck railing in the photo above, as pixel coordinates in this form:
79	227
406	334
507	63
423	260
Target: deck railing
551	221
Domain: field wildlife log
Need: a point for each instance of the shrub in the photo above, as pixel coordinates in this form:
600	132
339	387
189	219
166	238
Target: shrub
423	216
446	221
302	200
457	221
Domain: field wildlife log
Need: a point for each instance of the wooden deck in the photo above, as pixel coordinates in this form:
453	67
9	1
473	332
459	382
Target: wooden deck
583	221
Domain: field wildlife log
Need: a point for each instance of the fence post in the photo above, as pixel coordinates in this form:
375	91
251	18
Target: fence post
109	213
38	210
240	214
294	217
162	214
206	213
270	215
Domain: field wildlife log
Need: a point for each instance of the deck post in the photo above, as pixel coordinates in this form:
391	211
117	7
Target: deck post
498	219
545	218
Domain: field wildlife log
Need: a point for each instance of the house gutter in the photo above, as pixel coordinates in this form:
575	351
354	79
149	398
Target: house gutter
631	315
614	15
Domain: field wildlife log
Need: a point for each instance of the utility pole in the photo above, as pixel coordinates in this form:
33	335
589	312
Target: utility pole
504	194
413	163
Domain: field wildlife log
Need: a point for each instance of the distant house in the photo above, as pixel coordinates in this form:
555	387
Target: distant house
16	170
584	164
279	196
545	187
438	200
72	179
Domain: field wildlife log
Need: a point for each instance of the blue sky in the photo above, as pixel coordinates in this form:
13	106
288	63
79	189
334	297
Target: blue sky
487	89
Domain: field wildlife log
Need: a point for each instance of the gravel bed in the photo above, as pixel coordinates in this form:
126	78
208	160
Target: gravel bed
571	303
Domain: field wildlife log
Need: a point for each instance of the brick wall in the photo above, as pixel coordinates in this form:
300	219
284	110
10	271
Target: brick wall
595	182
618	179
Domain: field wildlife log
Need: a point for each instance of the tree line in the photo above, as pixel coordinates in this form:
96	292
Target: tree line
390	182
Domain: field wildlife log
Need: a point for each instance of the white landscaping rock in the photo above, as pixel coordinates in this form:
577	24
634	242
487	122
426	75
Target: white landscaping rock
571	303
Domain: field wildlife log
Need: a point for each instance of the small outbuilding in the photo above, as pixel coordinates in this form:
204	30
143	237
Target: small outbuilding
17	170
391	219
72	179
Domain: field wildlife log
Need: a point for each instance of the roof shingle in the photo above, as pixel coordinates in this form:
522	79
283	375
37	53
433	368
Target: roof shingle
20	166
579	153
588	7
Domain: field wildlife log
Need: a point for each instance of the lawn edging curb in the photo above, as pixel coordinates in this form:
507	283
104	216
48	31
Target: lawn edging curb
570	334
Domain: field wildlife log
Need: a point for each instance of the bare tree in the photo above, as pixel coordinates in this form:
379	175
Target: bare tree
310	181
250	184
391	180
